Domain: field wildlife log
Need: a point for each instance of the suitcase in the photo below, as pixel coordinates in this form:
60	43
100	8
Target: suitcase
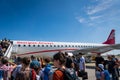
85	75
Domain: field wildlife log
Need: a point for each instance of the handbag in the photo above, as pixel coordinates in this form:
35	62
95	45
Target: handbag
83	74
80	73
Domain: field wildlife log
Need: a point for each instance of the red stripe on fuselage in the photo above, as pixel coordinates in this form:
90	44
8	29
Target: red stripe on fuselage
43	51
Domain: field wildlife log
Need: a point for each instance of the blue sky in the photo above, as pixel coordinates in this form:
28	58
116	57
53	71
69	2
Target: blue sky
59	20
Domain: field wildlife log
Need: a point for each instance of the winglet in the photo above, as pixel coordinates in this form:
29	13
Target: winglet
111	38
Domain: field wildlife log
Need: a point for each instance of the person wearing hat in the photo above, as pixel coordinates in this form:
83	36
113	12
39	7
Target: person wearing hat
104	73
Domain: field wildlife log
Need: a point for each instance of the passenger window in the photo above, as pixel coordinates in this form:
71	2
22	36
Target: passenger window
50	45
58	45
24	45
33	45
61	45
42	45
29	45
54	45
38	45
46	45
19	45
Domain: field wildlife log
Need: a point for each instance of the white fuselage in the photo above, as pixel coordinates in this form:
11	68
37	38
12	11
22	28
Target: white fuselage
25	48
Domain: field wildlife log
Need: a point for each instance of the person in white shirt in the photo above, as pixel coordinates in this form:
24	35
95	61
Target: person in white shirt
82	62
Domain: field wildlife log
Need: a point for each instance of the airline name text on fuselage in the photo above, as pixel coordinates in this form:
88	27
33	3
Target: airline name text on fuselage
28	43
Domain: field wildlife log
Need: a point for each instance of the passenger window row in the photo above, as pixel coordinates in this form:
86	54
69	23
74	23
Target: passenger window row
55	46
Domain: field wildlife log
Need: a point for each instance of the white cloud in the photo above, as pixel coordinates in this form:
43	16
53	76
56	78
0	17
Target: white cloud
102	12
95	17
81	20
90	24
103	5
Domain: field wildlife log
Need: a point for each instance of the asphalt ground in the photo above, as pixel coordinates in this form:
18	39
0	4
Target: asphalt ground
90	69
91	74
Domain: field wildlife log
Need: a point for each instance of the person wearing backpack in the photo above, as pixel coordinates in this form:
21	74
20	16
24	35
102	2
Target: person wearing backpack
17	68
105	75
48	71
35	65
59	62
26	73
61	73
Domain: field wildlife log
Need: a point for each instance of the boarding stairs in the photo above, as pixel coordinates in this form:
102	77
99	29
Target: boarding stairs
8	51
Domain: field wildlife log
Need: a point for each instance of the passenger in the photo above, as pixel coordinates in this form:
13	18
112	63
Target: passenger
25	72
48	71
111	68
62	73
117	65
35	65
99	59
38	59
75	63
42	62
17	69
98	73
14	57
6	68
101	73
82	64
59	62
69	61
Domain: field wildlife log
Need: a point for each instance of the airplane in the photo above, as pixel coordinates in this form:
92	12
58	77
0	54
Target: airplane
43	48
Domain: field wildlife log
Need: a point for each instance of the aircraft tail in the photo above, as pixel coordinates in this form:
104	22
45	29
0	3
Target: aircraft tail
111	38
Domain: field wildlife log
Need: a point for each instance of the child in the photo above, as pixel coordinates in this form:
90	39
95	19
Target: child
104	73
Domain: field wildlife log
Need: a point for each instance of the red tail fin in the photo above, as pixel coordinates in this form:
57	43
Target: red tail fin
111	38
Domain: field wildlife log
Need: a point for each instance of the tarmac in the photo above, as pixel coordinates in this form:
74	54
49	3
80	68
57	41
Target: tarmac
91	74
90	69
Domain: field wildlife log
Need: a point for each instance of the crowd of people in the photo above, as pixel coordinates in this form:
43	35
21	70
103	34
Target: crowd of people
66	67
32	68
4	44
107	69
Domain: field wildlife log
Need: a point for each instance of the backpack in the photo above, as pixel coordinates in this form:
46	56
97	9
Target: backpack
48	72
106	74
26	75
1	74
68	62
69	74
15	70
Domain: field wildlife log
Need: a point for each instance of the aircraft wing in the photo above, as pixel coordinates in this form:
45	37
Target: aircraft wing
102	49
116	46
